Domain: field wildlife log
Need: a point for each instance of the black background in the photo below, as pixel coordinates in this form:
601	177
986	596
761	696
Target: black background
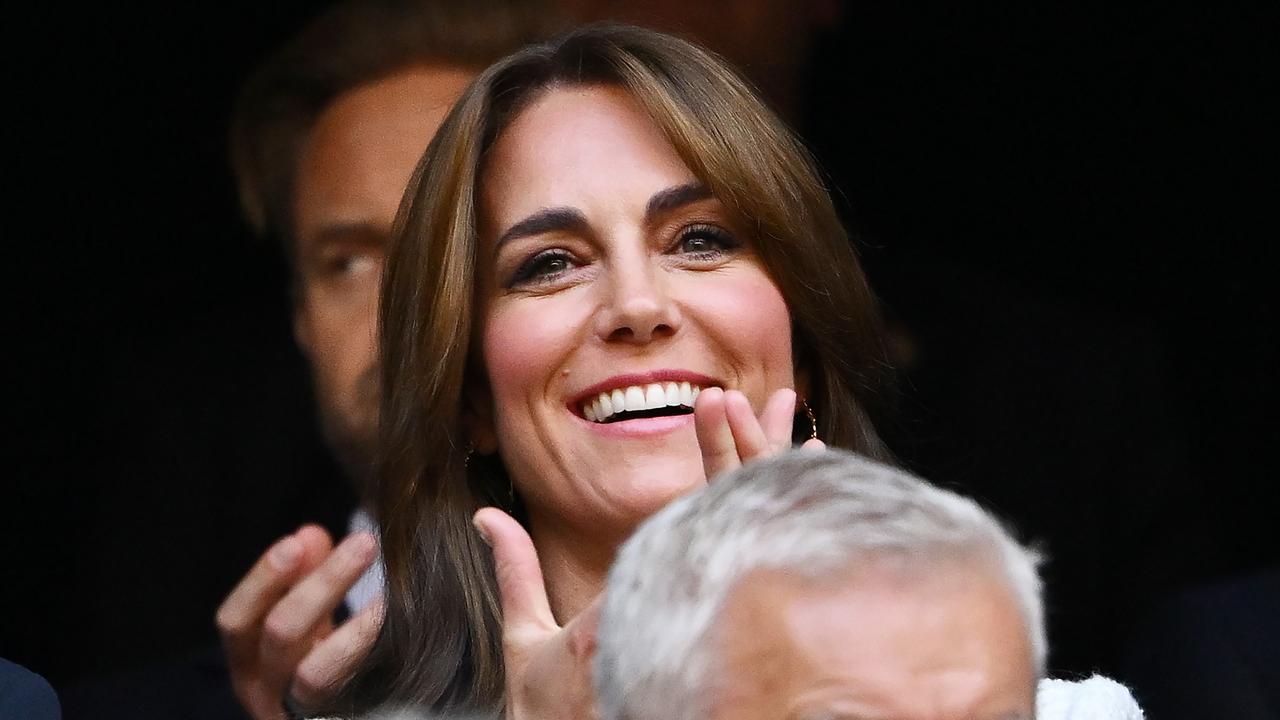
1075	192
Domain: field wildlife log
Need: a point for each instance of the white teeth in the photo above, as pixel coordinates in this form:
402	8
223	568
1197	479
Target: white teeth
672	393
636	398
654	397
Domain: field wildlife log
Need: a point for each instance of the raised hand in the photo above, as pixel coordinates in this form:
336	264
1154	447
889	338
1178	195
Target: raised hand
729	433
277	628
548	666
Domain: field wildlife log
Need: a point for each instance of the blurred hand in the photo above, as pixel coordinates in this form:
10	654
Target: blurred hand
730	434
277	624
548	666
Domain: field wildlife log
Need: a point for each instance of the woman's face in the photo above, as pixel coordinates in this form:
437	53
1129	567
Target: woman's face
609	278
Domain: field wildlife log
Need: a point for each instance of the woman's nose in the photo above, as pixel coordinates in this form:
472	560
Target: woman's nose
638	308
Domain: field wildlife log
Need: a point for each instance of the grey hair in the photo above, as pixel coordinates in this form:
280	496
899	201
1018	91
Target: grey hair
815	513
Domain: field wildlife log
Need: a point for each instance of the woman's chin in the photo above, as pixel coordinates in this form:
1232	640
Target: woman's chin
643	493
628	496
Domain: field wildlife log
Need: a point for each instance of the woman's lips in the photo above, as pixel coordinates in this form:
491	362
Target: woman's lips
613	405
639	427
648	392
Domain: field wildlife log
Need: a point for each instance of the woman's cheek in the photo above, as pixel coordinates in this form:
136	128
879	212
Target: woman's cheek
508	350
526	341
750	317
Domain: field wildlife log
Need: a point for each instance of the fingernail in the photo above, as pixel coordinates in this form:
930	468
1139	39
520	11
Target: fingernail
484	534
285	553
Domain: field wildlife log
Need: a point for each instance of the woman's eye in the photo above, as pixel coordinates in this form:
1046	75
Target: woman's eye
543	267
705	242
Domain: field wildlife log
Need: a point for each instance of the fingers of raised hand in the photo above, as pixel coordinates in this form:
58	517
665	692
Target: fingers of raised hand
729	433
303	615
715	437
748	435
239	618
778	420
333	660
525	608
813	444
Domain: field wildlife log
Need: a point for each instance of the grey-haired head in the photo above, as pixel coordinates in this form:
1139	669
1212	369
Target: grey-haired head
822	556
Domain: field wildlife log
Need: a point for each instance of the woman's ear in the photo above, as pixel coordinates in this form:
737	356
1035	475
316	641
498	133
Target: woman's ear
477	418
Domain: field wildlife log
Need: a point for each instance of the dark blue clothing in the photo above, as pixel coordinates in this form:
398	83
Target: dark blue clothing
1212	653
25	695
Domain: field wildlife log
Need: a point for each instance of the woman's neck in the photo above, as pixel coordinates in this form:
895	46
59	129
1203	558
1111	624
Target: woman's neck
573	568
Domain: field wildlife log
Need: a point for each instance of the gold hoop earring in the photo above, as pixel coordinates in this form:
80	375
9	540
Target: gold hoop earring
813	419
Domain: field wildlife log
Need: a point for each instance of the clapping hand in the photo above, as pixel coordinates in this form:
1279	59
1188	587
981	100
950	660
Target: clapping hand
548	666
729	433
277	628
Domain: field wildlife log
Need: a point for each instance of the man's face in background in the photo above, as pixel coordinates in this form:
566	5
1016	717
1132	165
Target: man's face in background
352	172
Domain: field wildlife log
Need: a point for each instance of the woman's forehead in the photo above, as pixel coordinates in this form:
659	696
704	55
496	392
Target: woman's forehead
573	145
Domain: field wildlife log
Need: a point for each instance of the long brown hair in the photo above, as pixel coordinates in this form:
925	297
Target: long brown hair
441	642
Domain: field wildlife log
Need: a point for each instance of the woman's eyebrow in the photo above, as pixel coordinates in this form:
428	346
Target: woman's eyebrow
674	197
565	219
558	219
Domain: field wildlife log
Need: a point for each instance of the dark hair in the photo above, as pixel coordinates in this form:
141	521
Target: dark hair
351	44
441	641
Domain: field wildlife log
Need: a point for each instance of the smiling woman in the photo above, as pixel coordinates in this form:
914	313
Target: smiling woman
606	228
648	283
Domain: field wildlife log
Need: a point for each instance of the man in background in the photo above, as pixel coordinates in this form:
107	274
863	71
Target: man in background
324	139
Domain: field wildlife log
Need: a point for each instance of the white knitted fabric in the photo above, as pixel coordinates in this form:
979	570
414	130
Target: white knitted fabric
1097	698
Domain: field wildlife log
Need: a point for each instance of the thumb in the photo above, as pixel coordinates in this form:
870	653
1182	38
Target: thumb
520	585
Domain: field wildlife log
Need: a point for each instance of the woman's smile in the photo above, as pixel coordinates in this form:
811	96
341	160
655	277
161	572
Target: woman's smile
649	394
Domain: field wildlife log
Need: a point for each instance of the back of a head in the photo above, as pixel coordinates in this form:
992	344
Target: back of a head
350	44
814	514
